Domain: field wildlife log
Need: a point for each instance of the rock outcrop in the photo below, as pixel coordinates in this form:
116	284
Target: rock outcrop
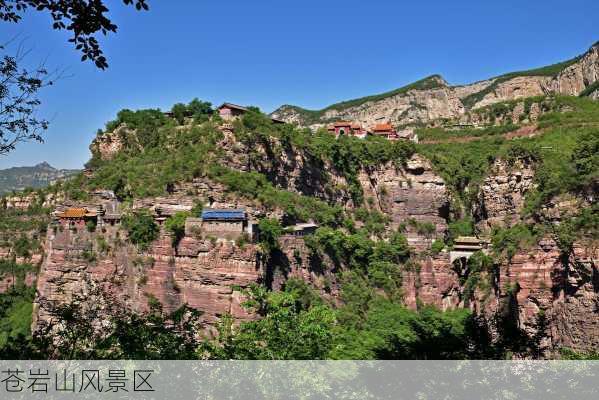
411	196
501	197
107	144
25	201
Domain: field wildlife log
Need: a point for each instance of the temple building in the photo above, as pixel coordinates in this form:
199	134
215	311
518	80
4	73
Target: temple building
465	246
230	111
76	218
303	229
347	128
220	223
385	130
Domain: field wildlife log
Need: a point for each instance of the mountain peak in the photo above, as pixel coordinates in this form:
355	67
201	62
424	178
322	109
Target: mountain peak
45	165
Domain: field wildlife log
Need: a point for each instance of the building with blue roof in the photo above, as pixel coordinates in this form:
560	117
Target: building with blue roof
215	214
227	223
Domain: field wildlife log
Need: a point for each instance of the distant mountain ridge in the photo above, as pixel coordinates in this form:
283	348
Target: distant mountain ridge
37	176
432	98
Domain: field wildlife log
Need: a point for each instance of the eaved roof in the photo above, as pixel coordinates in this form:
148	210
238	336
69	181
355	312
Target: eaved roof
216	214
235	106
382	128
342	123
242	108
302	226
74	213
467	239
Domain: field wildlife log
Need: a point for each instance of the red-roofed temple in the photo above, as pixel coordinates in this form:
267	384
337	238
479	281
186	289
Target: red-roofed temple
348	128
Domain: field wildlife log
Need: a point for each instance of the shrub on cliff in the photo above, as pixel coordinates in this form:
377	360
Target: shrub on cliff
175	224
23	246
460	227
586	158
509	240
141	228
269	231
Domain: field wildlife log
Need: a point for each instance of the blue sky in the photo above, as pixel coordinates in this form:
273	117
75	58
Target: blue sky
267	53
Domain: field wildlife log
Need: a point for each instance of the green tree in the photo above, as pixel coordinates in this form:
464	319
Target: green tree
391	331
141	228
179	111
294	325
104	328
23	246
269	231
176	225
200	110
586	158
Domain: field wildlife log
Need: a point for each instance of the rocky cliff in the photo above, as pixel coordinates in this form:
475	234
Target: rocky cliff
202	272
547	293
433	98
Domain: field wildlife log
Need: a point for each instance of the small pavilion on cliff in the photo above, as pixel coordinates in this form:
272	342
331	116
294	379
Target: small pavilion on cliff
465	246
76	217
230	111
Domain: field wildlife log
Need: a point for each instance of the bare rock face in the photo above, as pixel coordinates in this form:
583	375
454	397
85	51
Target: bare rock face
557	294
544	293
20	202
436	283
411	193
577	77
574	313
202	274
516	88
296	261
502	193
414	106
410	106
425	105
107	144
